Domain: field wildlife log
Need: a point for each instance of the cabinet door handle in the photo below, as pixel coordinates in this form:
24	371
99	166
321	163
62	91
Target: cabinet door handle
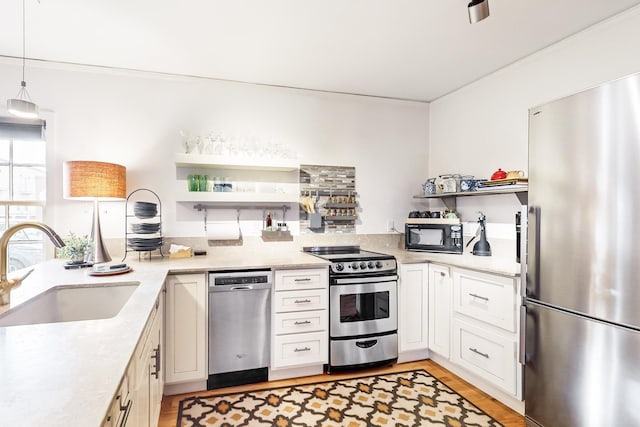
126	409
302	301
304	322
306	279
156	357
120	405
297	350
442	274
475	350
479	297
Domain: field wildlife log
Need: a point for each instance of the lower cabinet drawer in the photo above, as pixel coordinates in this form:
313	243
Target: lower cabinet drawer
301	279
300	349
300	321
486	297
486	354
312	299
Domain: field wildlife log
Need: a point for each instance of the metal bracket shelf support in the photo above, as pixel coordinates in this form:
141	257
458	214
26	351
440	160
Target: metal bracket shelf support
202	206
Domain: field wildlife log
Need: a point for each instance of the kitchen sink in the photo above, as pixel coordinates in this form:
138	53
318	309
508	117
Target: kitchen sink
71	303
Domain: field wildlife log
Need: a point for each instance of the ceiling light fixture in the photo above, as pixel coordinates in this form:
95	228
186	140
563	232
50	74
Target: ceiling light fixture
21	105
478	10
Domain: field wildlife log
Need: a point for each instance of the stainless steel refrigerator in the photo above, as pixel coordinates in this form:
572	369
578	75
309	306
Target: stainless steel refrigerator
581	313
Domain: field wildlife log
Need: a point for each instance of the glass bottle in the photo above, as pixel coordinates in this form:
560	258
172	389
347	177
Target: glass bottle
204	183
268	221
194	182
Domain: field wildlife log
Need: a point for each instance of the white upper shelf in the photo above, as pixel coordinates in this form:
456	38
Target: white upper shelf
236	197
219	162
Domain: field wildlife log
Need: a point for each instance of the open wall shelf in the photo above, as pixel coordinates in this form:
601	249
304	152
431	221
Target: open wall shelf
449	199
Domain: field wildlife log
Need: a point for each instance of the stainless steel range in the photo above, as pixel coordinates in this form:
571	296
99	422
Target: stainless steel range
363	307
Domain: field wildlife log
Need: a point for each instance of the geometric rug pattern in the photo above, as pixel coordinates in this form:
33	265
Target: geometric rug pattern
412	398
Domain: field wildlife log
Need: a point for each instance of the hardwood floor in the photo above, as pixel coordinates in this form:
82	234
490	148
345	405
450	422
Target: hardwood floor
491	406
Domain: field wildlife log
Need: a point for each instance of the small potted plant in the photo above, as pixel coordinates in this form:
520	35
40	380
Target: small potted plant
75	248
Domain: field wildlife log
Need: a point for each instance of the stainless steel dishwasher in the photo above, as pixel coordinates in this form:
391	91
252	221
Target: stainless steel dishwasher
239	327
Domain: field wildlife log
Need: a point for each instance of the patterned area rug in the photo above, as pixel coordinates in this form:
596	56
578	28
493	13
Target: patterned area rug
412	398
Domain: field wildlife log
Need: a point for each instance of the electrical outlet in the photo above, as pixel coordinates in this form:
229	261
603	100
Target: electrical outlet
390	225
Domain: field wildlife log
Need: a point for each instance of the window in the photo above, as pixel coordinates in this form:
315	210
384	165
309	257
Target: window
22	187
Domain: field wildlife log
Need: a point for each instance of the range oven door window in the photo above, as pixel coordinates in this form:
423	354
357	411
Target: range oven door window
366	306
362	308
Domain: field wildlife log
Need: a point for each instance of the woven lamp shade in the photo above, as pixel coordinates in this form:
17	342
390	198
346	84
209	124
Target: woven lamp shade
94	180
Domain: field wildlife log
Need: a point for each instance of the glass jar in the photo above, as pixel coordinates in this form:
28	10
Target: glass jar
226	185
204	183
194	182
217	185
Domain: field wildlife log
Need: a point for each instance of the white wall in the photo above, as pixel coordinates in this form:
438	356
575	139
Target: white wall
484	126
134	119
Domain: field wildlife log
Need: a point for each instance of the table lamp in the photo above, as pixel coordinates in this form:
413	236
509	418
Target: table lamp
96	181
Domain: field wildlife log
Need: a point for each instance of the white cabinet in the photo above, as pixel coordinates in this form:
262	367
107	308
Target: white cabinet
485	336
146	366
413	307
440	309
299	332
486	297
485	352
303	300
296	322
186	323
156	366
299	349
121	405
139	396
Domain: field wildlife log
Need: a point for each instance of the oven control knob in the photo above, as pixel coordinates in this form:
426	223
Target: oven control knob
371	264
354	265
363	265
339	267
378	264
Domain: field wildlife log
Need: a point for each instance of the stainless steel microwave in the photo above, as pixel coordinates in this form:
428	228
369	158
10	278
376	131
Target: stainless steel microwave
433	236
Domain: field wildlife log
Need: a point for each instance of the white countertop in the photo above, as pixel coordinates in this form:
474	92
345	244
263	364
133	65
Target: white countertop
489	264
63	374
66	374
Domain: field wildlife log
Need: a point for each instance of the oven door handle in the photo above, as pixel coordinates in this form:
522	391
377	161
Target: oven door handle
366	344
379	279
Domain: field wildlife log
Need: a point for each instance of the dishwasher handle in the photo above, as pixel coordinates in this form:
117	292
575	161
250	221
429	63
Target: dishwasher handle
238	287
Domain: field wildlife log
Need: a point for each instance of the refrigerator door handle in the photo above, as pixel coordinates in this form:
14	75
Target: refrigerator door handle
523	250
522	339
533	273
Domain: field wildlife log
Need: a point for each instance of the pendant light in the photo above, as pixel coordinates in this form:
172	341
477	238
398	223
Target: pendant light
478	10
21	105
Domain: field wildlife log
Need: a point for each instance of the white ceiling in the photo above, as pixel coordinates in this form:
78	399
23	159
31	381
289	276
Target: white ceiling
408	49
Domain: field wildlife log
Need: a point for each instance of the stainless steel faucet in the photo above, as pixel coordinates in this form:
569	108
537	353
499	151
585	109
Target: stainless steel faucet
5	284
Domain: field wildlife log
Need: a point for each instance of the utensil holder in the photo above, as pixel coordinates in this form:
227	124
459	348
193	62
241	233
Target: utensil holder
315	220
